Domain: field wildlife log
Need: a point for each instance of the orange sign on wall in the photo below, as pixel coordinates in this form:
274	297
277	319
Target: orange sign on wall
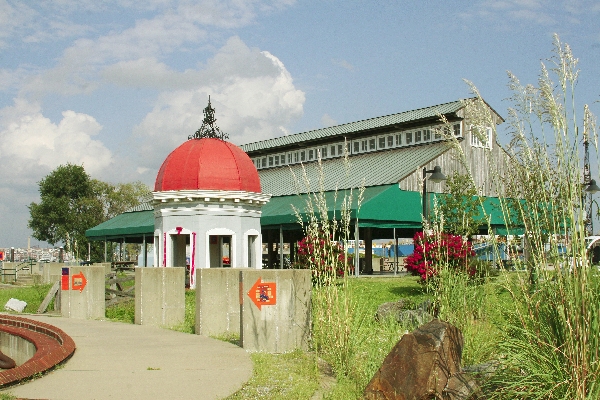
263	293
78	282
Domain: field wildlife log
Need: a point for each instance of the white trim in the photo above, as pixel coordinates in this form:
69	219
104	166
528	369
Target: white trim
437	133
157	247
475	142
257	248
211	195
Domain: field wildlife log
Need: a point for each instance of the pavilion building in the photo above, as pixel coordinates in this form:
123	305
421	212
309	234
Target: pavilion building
387	155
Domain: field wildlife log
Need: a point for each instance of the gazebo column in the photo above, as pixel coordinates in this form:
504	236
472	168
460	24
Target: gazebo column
356	249
368	238
280	247
271	252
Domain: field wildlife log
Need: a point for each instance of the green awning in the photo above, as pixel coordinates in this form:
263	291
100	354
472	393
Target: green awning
385	206
128	224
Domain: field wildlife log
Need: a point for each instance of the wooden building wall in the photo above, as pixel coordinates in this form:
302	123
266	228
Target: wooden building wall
484	165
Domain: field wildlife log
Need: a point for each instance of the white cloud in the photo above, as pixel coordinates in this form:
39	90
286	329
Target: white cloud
326	120
252	92
343	63
129	44
32	145
14	18
175	26
504	12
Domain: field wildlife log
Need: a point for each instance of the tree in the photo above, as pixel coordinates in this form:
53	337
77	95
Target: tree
72	202
67	207
460	207
118	198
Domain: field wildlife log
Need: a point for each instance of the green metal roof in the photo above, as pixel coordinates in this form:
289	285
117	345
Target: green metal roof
371	169
127	224
358	126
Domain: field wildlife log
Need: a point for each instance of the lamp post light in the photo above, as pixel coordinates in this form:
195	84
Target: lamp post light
436	177
592	187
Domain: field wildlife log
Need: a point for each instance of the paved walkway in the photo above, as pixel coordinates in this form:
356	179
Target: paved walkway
124	361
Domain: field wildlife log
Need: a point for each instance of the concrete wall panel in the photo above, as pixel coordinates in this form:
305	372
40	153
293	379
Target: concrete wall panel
159	296
218	301
281	327
87	303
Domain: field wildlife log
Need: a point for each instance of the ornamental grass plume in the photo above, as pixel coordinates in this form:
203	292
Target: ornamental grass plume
550	348
338	321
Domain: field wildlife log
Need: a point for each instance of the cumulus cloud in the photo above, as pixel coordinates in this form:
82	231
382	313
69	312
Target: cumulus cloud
32	145
142	48
180	24
252	92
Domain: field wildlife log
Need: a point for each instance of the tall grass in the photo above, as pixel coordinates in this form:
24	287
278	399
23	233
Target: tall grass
549	347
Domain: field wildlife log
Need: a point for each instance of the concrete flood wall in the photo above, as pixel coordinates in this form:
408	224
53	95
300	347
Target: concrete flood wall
159	296
218	301
51	272
284	325
82	292
270	309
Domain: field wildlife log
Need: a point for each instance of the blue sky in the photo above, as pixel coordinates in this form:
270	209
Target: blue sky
117	85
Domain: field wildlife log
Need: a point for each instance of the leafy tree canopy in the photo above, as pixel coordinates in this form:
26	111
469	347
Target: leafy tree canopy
460	207
71	202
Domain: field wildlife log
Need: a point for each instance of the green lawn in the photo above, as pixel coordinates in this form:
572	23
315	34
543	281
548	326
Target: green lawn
32	295
297	375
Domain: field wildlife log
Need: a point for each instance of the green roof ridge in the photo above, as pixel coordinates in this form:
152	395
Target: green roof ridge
370	123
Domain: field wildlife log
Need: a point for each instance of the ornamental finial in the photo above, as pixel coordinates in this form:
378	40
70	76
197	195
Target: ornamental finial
208	128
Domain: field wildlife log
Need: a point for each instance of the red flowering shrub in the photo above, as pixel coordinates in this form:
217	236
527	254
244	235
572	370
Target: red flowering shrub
323	256
434	251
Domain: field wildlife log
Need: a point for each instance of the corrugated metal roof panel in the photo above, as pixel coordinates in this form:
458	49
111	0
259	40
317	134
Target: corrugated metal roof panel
378	122
145	205
372	169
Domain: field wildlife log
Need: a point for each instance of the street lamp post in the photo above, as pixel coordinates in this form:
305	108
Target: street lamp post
436	177
589	220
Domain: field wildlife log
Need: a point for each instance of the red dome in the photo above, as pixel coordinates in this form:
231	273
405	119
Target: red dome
210	164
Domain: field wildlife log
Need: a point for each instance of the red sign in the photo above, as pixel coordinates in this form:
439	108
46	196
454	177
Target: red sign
1	256
78	282
263	293
64	281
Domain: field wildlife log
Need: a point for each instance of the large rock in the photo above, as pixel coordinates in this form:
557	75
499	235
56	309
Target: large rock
421	366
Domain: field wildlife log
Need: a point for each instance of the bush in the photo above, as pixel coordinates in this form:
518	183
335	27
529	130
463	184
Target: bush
324	257
433	251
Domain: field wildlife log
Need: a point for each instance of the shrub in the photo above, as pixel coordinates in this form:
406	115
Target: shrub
324	257
433	251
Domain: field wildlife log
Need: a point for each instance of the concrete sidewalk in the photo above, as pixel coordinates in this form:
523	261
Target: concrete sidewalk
124	361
